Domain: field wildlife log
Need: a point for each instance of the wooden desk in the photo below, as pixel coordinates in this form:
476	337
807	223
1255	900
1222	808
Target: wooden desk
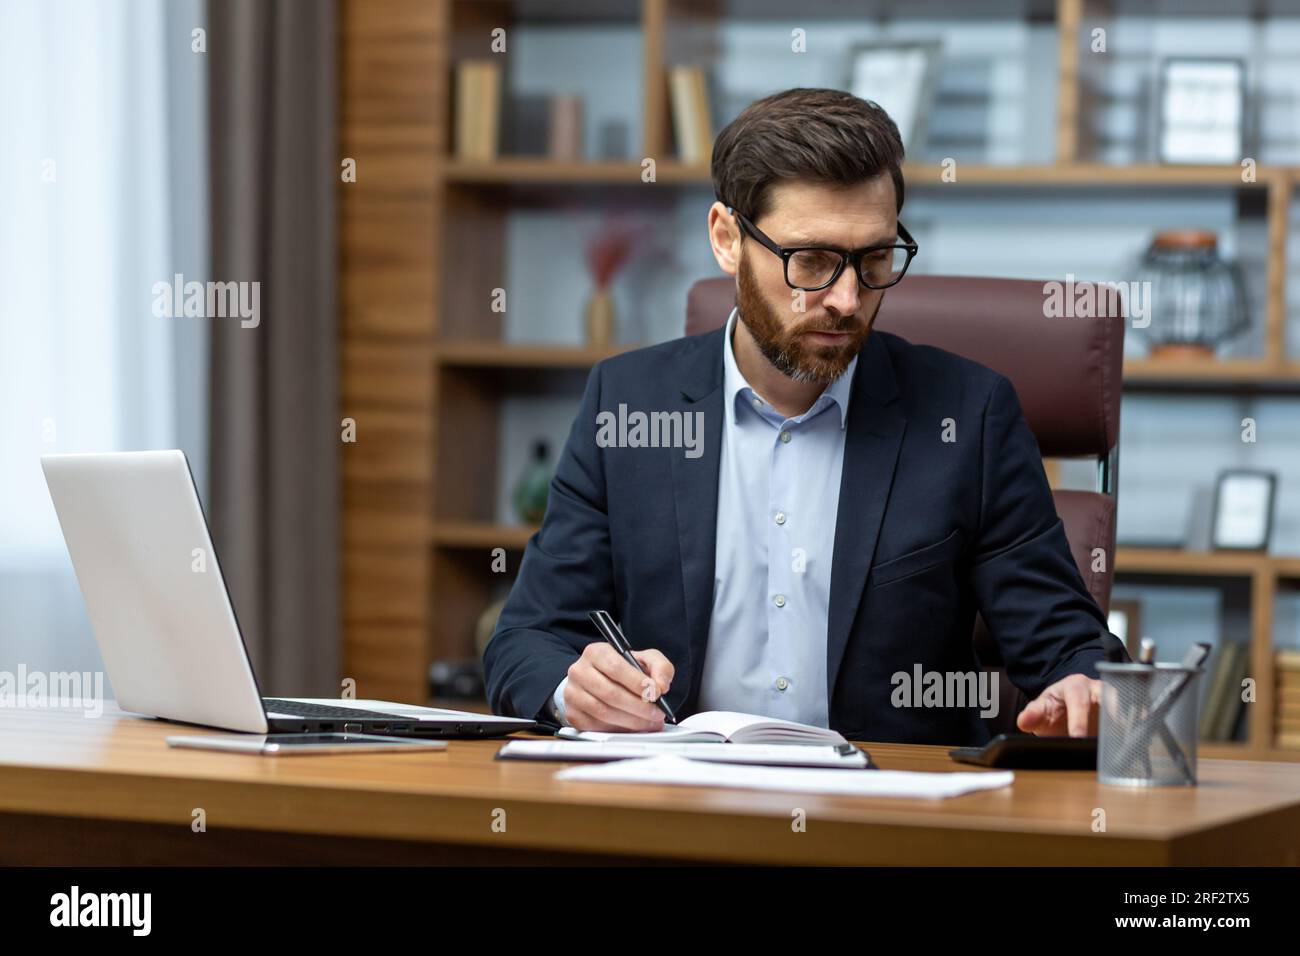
109	790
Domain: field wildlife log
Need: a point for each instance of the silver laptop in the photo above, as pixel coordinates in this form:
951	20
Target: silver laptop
163	618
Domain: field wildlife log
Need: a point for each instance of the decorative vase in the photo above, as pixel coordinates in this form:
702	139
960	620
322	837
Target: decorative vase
487	623
534	486
1197	299
600	319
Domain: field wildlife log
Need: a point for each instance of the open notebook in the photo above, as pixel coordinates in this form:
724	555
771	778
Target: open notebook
721	726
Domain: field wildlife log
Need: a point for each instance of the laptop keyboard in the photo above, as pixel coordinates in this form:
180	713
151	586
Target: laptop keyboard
298	708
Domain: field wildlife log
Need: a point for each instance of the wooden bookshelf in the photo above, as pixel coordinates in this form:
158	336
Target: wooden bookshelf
481	535
1272	369
1264	574
541	171
425	366
504	355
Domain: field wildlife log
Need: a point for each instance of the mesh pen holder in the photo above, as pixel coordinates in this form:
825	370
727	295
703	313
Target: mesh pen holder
1148	726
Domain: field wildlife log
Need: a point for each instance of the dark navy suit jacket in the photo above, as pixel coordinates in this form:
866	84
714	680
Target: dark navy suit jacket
928	532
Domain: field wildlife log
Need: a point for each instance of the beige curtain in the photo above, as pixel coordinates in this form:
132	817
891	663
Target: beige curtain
274	410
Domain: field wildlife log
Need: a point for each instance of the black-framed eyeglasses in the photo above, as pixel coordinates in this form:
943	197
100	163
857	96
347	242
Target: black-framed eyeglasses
813	268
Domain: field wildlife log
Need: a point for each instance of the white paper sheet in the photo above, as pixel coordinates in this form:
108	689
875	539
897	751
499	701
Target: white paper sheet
674	770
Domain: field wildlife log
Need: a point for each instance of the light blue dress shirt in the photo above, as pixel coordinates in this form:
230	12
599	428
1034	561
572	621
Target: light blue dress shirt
778	497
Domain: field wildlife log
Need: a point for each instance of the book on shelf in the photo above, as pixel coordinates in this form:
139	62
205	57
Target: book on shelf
692	120
564	132
478	109
1233	705
1286	709
1223	703
1212	707
1289	709
526	124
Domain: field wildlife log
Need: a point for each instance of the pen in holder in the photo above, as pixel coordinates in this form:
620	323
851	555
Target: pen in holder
1148	722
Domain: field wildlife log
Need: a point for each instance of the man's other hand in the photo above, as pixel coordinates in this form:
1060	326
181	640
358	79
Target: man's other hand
1070	706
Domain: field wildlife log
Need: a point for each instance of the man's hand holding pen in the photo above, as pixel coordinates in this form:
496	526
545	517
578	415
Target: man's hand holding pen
607	693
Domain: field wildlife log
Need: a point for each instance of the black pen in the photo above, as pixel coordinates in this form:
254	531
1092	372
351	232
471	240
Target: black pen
612	633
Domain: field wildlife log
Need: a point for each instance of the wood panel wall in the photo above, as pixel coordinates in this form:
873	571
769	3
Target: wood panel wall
393	104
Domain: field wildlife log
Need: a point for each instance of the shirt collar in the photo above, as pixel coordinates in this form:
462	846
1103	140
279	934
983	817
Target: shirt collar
735	387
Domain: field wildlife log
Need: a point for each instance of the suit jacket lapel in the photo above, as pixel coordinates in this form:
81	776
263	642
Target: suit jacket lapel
874	434
695	495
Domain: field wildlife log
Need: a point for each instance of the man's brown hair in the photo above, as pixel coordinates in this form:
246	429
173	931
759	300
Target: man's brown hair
822	135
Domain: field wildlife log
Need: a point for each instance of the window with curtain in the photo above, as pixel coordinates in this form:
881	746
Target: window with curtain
104	193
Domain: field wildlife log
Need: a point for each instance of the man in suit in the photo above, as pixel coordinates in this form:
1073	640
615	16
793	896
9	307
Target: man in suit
796	516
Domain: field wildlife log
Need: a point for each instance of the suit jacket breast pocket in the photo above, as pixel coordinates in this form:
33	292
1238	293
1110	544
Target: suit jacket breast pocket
922	559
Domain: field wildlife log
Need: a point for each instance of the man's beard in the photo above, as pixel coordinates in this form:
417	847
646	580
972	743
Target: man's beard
786	348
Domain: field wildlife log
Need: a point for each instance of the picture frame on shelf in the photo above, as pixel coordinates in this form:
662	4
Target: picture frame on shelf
1242	518
1201	111
900	78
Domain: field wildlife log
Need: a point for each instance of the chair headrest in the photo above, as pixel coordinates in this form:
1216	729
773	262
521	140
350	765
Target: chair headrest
1066	368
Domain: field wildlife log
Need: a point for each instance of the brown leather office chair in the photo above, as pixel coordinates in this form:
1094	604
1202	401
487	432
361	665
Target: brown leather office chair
1066	372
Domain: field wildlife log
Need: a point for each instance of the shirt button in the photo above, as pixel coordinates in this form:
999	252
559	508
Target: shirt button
782	683
779	600
758	403
785	437
780	517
